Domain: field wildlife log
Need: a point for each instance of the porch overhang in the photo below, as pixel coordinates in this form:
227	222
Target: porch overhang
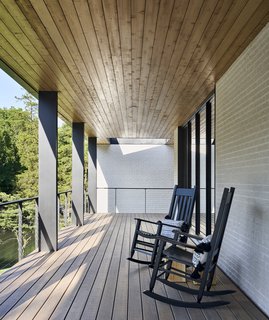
126	68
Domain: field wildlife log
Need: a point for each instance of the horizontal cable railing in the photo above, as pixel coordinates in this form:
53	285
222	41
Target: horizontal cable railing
148	202
19	226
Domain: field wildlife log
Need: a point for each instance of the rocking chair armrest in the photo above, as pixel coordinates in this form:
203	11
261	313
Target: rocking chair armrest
189	235
148	221
175	242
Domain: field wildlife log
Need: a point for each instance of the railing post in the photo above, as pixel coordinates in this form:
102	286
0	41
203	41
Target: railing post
85	202
115	200
58	209
20	244
65	208
145	200
36	225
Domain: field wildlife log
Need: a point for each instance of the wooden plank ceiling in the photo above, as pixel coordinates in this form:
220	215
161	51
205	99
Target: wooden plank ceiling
127	68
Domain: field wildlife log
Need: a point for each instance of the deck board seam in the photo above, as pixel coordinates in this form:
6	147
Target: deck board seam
119	241
49	261
108	235
115	233
90	234
90	255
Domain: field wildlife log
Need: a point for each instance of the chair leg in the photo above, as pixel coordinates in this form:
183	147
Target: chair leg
156	245
137	228
168	267
156	265
210	280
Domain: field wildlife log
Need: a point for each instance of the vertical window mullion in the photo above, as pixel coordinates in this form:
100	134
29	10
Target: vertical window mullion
197	172
208	167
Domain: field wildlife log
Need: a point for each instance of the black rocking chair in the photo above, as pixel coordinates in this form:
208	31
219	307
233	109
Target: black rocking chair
181	209
166	255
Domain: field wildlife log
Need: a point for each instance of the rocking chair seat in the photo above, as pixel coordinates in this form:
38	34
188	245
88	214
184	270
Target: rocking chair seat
146	234
179	255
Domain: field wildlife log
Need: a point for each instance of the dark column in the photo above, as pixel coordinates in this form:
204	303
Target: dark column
181	160
197	172
92	174
208	168
48	217
183	170
78	174
188	151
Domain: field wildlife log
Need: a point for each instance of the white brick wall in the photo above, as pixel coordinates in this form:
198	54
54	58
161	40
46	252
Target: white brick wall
158	200
242	160
130	201
143	168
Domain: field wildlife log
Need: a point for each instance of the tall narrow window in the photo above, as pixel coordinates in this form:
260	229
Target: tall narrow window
201	164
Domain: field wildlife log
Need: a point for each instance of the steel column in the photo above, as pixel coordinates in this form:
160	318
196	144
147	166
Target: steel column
92	174
181	160
48	220
78	174
197	172
208	168
188	151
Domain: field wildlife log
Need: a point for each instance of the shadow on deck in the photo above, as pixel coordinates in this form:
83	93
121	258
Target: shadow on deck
90	278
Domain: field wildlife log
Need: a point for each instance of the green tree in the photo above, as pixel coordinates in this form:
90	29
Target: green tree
18	138
64	157
22	127
10	164
30	104
27	143
9	225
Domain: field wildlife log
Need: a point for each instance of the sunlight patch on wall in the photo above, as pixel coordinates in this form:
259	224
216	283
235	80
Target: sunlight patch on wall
128	149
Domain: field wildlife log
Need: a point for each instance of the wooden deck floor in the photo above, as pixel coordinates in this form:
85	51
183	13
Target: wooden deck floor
90	278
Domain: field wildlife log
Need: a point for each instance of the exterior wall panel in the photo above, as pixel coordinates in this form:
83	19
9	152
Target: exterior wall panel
128	177
158	200
242	161
130	201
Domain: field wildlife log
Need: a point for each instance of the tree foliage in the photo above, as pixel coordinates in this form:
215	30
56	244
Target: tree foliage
64	158
19	166
19	148
22	128
10	164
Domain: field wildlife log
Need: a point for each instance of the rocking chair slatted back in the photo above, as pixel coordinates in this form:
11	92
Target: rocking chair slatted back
182	204
181	209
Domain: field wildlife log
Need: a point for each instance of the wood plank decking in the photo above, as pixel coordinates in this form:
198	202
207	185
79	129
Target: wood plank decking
90	278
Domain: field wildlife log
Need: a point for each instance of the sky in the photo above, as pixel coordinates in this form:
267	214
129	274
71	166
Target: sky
9	88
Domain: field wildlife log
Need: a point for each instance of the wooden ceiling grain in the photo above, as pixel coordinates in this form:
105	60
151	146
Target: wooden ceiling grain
129	69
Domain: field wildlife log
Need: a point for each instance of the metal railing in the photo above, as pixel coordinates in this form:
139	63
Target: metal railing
30	222
145	199
64	210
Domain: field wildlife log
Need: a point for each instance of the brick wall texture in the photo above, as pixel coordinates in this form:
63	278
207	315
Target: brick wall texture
242	161
134	178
